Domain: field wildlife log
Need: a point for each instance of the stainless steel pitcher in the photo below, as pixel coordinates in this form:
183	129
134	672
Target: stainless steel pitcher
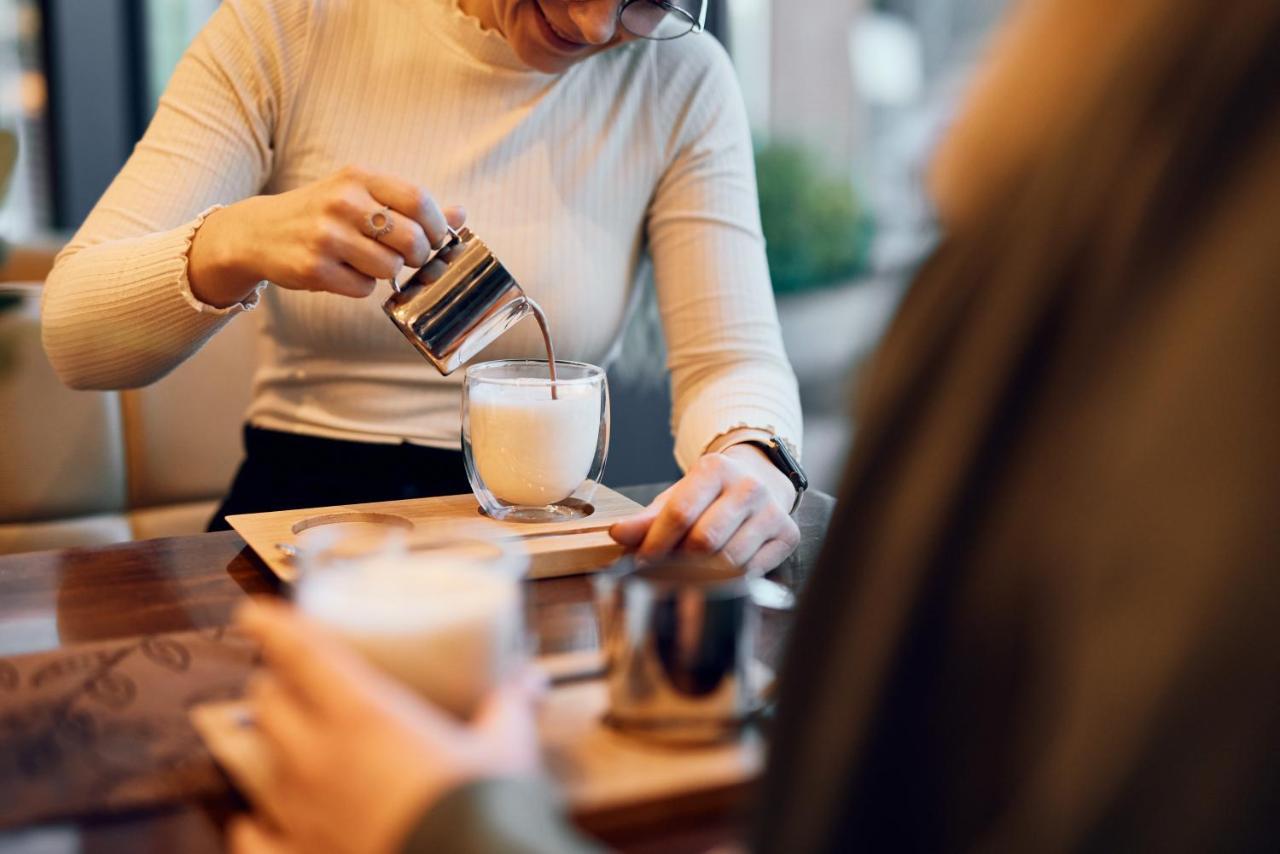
457	303
679	646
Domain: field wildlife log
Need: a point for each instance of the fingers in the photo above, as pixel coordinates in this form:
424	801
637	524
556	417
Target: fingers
343	236
713	531
630	532
781	535
771	554
367	256
767	524
686	503
746	542
456	215
411	242
412	201
335	277
279	717
407	239
306	661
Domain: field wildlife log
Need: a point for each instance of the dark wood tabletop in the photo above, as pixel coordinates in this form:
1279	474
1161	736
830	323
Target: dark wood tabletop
59	599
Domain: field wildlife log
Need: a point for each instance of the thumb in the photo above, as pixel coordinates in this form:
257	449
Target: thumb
630	532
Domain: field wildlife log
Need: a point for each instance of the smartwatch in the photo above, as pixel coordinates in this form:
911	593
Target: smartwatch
780	455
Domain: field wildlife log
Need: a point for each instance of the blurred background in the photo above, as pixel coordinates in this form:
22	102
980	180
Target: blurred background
846	100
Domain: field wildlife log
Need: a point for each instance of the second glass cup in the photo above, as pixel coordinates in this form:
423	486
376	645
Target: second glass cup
532	456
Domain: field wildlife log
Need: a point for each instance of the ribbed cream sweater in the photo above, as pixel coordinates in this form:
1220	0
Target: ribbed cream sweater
570	179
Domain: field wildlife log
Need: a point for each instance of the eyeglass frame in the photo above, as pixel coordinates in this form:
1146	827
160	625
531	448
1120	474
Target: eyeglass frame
699	24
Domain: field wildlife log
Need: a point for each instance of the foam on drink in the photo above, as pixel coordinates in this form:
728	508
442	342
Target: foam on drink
529	449
447	625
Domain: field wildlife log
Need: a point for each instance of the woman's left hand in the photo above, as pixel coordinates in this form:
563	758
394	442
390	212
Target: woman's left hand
734	502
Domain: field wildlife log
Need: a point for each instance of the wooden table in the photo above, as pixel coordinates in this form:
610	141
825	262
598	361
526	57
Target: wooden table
53	600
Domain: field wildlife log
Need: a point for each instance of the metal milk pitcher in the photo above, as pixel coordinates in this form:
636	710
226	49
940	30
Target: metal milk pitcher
457	303
678	640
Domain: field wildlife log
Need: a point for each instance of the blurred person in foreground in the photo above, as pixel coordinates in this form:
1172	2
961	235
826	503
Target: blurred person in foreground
1050	599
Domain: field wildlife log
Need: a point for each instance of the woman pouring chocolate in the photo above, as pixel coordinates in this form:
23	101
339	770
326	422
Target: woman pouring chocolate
306	152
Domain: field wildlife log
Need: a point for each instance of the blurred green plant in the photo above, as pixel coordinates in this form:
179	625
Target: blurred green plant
816	231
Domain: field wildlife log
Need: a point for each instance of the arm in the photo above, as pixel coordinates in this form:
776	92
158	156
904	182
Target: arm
118	308
725	354
731	382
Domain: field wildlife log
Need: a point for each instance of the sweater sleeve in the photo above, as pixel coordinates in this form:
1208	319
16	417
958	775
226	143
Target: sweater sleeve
497	817
728	367
118	310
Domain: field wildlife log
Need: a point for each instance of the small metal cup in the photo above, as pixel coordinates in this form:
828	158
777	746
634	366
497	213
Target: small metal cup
679	642
457	303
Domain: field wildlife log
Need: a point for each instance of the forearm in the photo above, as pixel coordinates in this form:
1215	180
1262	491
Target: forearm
753	392
728	367
118	307
497	816
725	353
120	315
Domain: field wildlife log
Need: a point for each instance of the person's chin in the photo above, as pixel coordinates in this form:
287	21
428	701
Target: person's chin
537	46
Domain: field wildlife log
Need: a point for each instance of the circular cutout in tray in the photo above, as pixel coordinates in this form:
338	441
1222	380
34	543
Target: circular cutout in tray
348	533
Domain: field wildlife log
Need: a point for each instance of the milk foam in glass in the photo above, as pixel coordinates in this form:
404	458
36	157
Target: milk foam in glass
532	456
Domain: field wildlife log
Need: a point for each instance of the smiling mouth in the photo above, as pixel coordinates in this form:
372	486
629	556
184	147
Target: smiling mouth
574	43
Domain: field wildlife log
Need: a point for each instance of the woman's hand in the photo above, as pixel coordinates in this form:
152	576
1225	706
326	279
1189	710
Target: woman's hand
732	503
358	758
316	238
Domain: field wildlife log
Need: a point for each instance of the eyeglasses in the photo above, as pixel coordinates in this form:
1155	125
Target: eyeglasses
662	20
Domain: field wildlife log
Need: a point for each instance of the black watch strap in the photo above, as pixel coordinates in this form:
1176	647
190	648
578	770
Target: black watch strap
780	455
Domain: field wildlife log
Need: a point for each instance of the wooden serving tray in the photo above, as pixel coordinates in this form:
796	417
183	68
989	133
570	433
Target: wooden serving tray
554	548
605	775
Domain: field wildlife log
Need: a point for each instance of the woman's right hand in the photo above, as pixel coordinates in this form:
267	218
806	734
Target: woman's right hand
316	238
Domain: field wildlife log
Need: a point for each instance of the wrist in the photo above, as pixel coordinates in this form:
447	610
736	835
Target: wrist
216	272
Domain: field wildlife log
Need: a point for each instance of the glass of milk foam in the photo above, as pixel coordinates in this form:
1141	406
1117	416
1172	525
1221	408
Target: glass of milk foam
445	618
535	453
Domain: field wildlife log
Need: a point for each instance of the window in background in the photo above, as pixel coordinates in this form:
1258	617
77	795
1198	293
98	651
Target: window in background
80	80
23	100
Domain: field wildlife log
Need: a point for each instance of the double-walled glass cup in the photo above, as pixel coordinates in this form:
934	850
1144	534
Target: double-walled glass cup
531	455
443	614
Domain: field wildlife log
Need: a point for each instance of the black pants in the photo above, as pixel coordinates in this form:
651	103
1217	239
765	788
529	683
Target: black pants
283	471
